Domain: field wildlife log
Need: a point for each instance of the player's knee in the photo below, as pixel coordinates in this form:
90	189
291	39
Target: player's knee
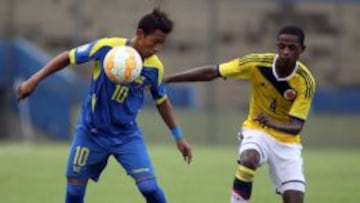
250	159
293	196
76	181
293	188
151	191
75	191
148	186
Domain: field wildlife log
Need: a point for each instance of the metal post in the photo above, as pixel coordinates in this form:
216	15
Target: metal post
9	16
337	56
79	22
9	32
211	108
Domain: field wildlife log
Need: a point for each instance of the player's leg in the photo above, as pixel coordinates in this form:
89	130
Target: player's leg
242	184
286	167
252	155
75	190
151	191
293	196
134	157
86	160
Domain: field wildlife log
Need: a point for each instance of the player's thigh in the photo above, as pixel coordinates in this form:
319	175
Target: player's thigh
87	158
286	167
134	158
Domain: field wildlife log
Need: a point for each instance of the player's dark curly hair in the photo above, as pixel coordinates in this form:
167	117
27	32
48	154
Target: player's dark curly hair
294	30
155	20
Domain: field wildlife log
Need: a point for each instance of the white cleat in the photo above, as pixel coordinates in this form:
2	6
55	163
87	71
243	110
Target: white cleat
236	198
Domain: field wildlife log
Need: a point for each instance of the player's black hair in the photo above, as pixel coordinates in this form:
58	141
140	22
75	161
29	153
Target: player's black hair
155	20
294	30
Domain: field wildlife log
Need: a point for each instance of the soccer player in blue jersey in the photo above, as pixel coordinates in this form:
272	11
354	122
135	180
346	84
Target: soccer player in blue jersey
107	125
282	90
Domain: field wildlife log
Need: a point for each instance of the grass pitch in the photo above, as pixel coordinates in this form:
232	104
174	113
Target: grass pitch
35	173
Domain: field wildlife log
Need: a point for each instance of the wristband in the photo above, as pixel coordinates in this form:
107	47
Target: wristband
176	133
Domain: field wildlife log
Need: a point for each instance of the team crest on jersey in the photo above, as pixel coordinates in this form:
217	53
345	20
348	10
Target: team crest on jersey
289	94
83	48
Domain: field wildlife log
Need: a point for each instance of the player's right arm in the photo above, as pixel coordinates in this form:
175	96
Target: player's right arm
82	54
239	68
59	62
204	73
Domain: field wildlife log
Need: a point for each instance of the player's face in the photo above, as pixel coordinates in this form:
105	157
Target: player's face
289	49
150	44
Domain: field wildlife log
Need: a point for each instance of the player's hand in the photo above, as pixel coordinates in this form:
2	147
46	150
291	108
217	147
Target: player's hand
167	79
263	120
25	89
185	149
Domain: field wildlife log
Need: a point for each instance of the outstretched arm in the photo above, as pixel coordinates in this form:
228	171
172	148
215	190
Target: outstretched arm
57	63
204	73
166	111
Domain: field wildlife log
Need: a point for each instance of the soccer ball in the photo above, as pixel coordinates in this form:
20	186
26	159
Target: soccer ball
122	64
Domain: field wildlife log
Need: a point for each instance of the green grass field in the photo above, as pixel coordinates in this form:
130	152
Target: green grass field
35	173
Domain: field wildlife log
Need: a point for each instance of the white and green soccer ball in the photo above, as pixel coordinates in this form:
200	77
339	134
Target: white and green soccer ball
122	64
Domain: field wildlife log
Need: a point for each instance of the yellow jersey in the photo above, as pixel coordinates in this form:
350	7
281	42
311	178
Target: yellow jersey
279	98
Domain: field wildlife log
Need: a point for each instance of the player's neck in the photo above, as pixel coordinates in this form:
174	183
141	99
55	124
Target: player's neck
282	70
133	42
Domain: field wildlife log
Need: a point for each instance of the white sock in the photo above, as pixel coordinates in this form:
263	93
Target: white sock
236	198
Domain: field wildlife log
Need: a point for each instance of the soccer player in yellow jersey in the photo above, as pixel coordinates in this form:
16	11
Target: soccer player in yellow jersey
282	91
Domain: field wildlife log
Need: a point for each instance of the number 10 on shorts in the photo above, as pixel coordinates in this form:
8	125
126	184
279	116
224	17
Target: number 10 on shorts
81	156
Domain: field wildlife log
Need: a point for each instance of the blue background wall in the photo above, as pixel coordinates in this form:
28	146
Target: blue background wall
5	54
337	100
51	104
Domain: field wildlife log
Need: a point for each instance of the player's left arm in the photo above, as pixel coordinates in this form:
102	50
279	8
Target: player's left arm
293	127
298	111
158	92
166	111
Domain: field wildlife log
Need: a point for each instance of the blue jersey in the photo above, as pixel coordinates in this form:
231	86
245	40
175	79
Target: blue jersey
109	107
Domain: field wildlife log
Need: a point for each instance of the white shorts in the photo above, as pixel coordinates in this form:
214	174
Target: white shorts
285	160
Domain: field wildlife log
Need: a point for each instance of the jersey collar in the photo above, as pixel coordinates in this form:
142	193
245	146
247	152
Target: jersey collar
127	43
284	78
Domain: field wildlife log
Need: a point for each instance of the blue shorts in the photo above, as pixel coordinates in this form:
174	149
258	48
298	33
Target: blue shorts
90	152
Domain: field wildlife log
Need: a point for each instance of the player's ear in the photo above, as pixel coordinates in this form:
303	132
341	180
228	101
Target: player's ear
140	33
303	48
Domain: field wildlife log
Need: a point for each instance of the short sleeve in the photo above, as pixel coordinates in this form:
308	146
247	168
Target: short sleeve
156	72
94	50
240	68
82	54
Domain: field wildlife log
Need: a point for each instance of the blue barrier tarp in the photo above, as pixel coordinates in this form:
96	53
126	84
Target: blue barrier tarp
337	100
